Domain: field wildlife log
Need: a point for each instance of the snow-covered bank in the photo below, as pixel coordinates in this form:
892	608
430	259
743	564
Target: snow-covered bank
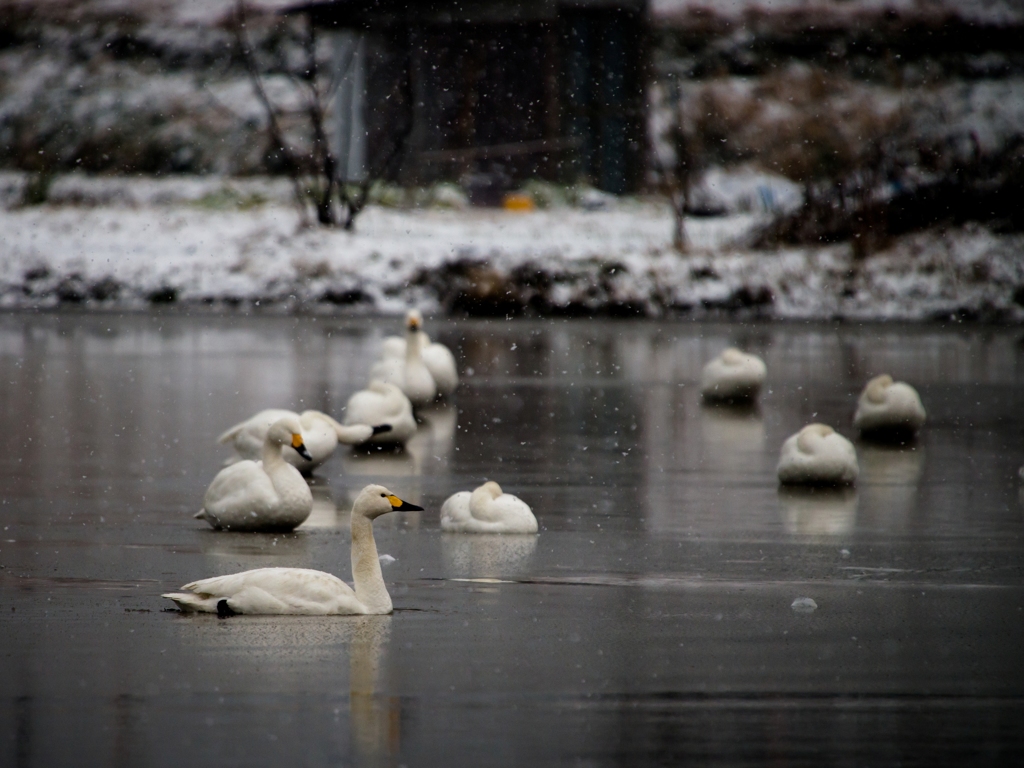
615	261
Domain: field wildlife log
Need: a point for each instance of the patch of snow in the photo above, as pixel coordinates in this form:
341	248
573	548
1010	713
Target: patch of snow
746	190
126	250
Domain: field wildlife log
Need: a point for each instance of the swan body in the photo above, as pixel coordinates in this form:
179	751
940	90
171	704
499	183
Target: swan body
320	434
487	510
269	495
818	455
436	358
889	406
300	590
733	375
382	403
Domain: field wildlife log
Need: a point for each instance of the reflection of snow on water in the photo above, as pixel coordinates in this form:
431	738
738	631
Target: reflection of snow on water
486	555
818	511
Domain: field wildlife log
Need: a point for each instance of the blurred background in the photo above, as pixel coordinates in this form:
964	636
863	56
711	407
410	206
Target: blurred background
860	158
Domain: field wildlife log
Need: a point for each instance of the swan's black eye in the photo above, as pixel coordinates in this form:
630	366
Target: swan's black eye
383	495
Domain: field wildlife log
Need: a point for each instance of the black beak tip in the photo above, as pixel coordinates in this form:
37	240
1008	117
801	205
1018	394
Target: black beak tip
407	507
301	450
381	429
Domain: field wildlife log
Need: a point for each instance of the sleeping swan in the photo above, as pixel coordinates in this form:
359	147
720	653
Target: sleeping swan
888	406
733	375
269	495
320	434
487	510
300	590
382	403
818	455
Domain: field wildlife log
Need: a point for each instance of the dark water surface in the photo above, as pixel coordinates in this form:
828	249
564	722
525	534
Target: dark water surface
648	623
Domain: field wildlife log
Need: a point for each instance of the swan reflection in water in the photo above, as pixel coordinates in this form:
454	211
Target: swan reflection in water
301	654
733	436
325	512
486	555
818	511
889	477
242	551
427	453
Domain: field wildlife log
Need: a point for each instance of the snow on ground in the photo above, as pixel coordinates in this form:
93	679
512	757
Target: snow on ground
616	260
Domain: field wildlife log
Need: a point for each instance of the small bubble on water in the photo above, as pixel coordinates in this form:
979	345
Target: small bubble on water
804	605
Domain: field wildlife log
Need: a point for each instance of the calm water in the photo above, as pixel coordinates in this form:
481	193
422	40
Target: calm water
648	623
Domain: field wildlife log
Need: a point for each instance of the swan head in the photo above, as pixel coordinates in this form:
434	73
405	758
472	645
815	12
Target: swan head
490	489
413	320
733	356
875	389
376	500
288	431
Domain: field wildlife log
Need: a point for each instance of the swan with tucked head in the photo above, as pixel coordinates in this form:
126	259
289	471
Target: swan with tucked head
887	406
382	402
269	495
487	510
320	434
818	455
733	376
301	590
437	358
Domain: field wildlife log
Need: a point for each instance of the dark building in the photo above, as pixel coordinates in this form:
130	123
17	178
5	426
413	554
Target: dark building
484	89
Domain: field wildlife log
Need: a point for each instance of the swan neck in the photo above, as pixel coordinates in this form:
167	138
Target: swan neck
413	345
272	458
367	578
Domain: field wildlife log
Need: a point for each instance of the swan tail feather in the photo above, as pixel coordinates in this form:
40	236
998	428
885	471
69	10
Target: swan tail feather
193	603
230	434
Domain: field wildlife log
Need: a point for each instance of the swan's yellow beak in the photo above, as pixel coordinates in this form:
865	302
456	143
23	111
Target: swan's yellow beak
300	447
413	323
403	506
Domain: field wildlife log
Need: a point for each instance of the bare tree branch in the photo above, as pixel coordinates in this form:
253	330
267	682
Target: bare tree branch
273	126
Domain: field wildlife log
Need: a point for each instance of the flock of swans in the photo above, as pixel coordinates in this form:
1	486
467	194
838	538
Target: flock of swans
817	454
262	488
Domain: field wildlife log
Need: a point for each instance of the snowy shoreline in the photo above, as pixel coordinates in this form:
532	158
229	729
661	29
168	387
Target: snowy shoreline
564	261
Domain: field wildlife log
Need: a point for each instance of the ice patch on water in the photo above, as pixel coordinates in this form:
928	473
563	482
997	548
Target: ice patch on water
386	559
804	605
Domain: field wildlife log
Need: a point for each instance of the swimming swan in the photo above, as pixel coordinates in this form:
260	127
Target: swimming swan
438	359
266	495
733	375
818	455
382	403
487	510
320	434
300	590
888	406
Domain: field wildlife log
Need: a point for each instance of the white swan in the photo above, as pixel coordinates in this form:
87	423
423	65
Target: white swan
300	590
733	375
265	495
888	406
818	455
382	403
438	359
487	510
320	434
409	371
